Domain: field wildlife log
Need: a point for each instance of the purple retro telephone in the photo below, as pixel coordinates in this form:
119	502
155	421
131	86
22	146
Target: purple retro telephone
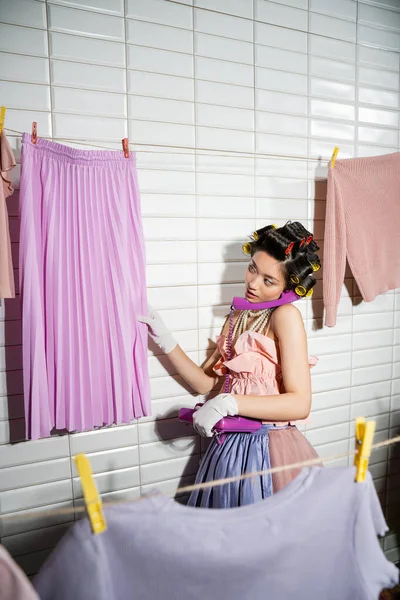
238	424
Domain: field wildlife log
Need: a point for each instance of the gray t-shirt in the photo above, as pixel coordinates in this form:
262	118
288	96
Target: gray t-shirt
316	538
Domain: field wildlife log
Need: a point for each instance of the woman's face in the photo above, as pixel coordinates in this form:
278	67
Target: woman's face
264	279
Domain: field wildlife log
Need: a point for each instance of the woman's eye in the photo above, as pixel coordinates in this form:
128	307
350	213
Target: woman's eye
251	268
268	282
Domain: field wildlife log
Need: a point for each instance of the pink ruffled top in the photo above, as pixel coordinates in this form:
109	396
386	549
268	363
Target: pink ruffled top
254	368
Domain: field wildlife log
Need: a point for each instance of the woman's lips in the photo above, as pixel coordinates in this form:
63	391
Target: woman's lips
250	294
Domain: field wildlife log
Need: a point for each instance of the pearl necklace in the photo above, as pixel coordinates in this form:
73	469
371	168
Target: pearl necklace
261	318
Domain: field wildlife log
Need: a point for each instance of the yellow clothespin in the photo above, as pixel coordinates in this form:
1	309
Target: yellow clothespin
364	436
91	495
2	117
334	156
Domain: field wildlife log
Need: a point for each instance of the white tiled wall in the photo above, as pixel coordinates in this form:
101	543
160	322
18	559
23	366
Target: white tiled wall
290	77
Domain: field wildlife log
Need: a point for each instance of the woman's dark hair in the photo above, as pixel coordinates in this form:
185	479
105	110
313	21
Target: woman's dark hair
295	248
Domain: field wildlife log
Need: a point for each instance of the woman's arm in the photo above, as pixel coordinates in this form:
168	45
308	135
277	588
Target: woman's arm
295	403
201	379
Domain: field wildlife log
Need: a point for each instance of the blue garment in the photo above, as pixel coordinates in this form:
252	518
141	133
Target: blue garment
240	453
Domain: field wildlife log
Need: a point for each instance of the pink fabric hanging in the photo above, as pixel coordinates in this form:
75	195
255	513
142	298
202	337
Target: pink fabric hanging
82	271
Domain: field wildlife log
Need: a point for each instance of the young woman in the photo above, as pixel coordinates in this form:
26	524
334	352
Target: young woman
269	372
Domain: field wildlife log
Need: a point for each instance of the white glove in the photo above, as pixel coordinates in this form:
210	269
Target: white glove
158	331
212	411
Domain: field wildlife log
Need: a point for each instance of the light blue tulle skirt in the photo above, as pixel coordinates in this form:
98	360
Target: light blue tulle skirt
240	453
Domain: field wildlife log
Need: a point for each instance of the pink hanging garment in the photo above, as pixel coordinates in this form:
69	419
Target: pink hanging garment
82	270
14	584
363	225
7	162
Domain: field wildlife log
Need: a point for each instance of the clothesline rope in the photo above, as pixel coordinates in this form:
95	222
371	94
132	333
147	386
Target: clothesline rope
200	486
189	150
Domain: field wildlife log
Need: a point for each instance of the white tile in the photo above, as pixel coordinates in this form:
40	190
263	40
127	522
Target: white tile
87	50
224	94
88	23
279	144
371	391
108	438
110	460
28	69
179	319
23	40
377	356
281	102
281	167
38	519
217	295
327	435
380	38
24	95
345	9
268	208
87	76
319	67
33	474
379	97
155	229
226	139
225	184
158	451
88	103
328	129
34	541
371	374
221	229
381	17
294	3
333	363
170	252
332	110
116	8
221	272
284	16
155	158
211	251
163	387
330	381
370	408
147	132
334	344
88	128
283	60
281	187
223	48
331	399
166	275
224	116
35	495
381	58
372	339
378	117
332	89
160	109
160	11
24	12
167	181
330	416
168	205
162	86
159	36
378	77
374	135
219	206
280	37
239	8
223	25
331	27
160	61
173	297
224	72
110	482
282	82
275	123
155	472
